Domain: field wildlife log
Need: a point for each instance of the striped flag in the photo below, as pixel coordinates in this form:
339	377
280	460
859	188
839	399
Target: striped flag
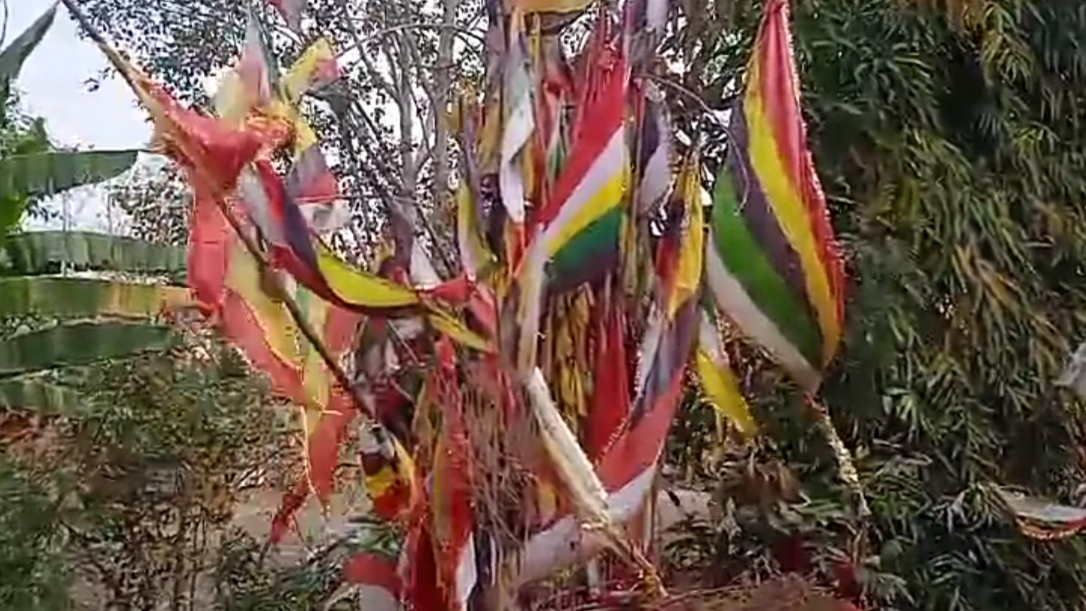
773	264
627	468
654	150
295	249
582	219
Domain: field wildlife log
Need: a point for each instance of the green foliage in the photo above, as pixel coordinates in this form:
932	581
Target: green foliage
161	458
41	393
950	146
14	56
77	344
139	482
46	252
245	581
86	297
18	136
47	173
33	571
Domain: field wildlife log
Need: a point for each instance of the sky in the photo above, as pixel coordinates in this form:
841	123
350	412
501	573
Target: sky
53	86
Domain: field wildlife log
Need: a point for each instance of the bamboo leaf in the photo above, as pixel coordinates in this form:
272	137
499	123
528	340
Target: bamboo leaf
87	298
39	395
80	344
13	57
48	173
43	252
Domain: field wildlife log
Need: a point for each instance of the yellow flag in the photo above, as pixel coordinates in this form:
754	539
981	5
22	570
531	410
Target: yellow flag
718	380
692	249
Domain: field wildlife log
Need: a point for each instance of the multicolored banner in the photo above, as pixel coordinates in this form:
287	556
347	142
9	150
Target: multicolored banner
773	263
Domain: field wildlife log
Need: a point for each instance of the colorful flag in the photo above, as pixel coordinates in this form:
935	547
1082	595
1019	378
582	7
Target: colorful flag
773	262
451	495
313	71
628	467
553	14
253	84
390	473
257	68
211	154
684	280
253	93
225	277
582	219
718	380
229	284
551	145
377	581
312	185
653	151
295	249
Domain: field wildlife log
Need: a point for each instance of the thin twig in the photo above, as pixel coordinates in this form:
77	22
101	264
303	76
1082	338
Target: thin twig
363	40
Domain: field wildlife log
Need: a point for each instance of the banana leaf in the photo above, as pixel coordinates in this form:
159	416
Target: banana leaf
80	344
14	56
40	174
44	252
40	395
11	211
87	298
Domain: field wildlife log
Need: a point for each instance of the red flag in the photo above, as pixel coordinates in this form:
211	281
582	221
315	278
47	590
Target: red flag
379	584
610	406
452	516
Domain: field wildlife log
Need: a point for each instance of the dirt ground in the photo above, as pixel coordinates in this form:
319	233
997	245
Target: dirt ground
256	514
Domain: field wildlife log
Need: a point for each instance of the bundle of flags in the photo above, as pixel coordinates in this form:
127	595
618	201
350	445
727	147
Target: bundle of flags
563	168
